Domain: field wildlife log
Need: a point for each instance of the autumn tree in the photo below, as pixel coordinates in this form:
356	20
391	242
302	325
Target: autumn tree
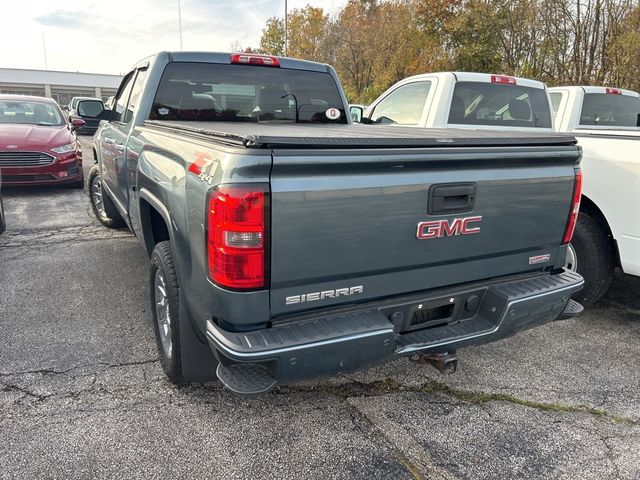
374	43
306	31
272	41
624	52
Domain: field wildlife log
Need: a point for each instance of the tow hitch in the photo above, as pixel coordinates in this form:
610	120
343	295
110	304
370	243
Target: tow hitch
445	363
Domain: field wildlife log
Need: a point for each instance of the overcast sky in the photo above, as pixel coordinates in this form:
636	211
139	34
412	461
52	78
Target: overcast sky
108	36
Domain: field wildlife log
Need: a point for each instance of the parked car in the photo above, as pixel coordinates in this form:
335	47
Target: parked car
287	243
87	109
37	147
462	100
606	122
3	223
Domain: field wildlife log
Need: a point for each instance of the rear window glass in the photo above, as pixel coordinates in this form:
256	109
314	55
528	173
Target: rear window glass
610	110
246	93
499	105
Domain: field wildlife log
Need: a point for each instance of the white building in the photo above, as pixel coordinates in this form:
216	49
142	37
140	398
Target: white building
61	86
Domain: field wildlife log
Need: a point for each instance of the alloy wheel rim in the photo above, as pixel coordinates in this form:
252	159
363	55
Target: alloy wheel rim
571	261
96	194
163	317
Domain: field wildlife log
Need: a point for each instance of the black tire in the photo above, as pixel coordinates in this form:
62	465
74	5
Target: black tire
108	214
3	223
595	258
162	264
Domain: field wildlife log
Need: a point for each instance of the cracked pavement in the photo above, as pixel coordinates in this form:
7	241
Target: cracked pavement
83	395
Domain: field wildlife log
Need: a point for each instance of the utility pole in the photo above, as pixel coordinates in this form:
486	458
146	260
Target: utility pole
180	23
286	27
44	51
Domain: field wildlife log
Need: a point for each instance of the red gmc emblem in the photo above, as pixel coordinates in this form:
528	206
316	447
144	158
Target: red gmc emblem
447	228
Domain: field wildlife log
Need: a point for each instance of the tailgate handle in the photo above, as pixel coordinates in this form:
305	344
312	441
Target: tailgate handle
445	199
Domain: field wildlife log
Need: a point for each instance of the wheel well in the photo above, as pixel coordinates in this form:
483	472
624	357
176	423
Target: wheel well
591	209
154	226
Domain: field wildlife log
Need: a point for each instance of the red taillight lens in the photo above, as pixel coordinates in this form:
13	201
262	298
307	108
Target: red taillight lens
503	79
613	91
575	208
236	243
251	59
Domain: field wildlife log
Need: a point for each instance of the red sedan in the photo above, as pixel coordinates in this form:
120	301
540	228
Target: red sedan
37	147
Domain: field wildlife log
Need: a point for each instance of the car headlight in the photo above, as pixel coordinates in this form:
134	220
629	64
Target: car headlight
70	147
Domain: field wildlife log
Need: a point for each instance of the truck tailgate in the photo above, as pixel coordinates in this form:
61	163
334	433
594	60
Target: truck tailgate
346	223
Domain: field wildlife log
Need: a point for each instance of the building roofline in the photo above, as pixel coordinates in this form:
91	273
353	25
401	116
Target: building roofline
60	71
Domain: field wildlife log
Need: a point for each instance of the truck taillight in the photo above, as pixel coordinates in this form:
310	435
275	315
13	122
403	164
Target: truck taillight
575	208
613	91
251	59
236	239
503	79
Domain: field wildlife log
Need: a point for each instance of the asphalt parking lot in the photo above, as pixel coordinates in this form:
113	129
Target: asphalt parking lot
83	395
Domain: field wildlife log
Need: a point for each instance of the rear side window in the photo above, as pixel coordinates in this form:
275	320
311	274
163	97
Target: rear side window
499	105
246	93
610	110
556	98
403	106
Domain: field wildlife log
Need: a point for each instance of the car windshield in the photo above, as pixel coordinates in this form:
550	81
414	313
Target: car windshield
30	112
244	93
610	110
499	105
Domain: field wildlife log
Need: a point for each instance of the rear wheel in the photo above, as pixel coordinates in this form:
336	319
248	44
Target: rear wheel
103	207
165	298
591	254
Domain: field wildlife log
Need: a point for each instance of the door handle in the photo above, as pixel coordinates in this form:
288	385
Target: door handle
451	198
119	147
109	141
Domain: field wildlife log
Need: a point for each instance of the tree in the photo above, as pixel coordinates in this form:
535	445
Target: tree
306	30
272	41
374	43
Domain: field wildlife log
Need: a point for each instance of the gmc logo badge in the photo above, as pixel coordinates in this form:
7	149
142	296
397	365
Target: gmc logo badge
447	228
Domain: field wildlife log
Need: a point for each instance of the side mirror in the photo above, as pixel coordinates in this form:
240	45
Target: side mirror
76	123
356	112
105	114
90	108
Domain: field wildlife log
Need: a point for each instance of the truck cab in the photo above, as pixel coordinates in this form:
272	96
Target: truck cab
463	100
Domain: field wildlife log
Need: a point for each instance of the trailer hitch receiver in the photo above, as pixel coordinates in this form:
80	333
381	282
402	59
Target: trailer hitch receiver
445	363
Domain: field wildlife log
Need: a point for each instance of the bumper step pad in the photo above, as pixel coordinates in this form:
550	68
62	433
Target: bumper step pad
572	309
246	378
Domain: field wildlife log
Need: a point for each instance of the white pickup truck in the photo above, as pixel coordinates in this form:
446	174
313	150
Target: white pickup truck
462	100
606	122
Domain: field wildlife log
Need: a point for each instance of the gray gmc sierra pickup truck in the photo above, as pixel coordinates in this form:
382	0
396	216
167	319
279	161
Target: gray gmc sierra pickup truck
287	243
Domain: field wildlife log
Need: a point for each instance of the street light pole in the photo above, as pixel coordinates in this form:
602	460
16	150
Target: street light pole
286	27
180	23
44	51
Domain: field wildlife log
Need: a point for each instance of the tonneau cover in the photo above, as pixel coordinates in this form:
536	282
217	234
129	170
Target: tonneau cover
257	135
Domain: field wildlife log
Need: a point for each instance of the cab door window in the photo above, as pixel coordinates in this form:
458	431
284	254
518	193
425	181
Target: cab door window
122	99
136	93
403	106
